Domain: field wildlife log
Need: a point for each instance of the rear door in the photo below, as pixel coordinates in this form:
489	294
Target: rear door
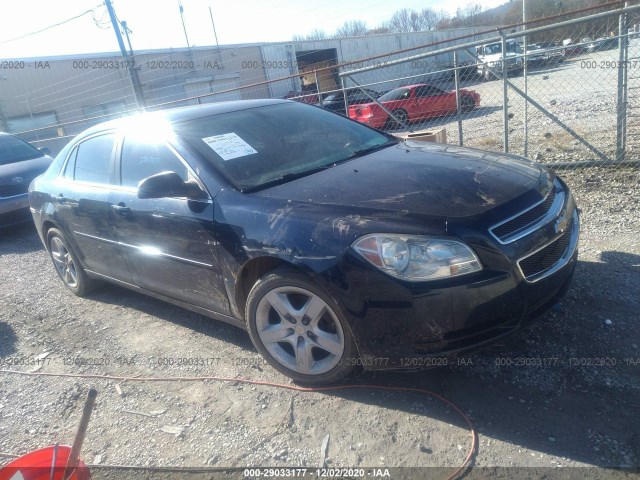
81	199
170	242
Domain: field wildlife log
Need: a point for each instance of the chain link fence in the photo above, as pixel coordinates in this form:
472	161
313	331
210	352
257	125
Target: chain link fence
562	94
561	90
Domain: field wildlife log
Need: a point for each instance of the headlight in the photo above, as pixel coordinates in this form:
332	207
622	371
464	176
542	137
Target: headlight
412	257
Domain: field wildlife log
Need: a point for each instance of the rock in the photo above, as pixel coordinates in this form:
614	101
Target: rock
552	439
212	460
177	431
608	322
97	460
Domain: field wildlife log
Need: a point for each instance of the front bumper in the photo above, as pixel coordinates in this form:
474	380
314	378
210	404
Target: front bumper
399	324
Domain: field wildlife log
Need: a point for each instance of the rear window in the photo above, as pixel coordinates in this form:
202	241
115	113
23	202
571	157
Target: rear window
12	150
259	146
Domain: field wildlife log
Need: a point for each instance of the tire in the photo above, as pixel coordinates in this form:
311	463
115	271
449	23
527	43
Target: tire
315	349
66	264
402	115
467	104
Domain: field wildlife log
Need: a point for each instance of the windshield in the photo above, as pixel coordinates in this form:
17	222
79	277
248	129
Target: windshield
275	143
493	49
12	150
397	94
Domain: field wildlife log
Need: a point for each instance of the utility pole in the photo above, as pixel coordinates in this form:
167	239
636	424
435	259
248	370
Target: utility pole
129	62
184	26
215	35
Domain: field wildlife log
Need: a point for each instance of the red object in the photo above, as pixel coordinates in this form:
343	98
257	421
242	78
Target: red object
37	465
418	102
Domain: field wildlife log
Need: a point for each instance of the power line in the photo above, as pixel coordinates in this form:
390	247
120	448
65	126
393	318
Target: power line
52	26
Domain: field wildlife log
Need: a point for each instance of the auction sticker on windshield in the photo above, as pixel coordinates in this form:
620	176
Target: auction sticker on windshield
229	146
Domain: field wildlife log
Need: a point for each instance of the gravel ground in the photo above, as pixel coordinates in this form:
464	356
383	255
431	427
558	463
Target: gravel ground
564	392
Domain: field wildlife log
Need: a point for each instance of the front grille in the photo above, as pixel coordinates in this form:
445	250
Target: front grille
546	258
12	190
524	220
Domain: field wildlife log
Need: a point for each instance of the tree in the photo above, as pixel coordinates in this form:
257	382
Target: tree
352	28
408	20
316	34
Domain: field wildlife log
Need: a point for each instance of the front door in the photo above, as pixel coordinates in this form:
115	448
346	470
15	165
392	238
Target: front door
170	242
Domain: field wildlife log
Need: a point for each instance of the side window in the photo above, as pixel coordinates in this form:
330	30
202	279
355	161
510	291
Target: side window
424	91
143	159
93	159
71	164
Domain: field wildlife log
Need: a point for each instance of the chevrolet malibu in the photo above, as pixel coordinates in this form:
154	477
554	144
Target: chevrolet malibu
334	245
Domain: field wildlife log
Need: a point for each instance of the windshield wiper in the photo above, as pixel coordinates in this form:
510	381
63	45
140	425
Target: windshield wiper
364	151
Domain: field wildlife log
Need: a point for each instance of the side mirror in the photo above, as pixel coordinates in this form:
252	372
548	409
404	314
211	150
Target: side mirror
45	151
169	184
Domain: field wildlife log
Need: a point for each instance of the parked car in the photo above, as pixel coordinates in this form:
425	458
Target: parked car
20	162
335	245
412	103
572	49
335	101
544	53
490	56
602	44
303	97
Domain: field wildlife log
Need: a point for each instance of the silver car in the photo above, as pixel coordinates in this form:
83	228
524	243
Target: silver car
20	163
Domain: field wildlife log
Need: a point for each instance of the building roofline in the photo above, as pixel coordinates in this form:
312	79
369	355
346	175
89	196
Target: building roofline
165	51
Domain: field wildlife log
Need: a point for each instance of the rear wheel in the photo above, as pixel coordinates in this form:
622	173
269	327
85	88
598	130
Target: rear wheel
70	271
402	116
299	329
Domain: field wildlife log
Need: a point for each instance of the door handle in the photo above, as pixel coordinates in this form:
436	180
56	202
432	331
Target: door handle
121	209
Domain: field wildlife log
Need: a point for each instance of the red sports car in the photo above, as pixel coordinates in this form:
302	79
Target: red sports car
411	103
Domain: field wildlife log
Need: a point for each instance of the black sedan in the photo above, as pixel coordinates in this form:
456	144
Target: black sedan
357	96
333	244
20	162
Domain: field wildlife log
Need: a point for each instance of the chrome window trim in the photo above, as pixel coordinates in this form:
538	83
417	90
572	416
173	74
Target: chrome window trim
552	213
564	259
15	196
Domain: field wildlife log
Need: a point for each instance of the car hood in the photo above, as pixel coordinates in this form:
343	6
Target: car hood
419	178
25	170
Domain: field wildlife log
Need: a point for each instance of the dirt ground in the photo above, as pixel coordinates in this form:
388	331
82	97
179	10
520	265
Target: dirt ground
564	392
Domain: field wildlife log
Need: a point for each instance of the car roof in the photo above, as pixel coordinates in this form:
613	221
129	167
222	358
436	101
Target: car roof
417	85
181	114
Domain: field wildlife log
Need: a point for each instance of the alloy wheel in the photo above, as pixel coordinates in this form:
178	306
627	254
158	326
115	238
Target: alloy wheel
64	262
299	330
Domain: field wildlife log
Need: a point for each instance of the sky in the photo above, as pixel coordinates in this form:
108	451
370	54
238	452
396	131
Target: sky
156	23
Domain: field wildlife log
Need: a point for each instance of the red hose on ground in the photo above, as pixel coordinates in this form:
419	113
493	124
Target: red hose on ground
466	418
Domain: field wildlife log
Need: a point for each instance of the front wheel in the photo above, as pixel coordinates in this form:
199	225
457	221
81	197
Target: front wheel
467	104
299	329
